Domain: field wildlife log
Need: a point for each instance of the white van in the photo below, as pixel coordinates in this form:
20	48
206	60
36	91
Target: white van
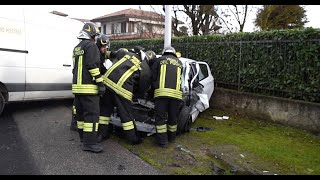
35	55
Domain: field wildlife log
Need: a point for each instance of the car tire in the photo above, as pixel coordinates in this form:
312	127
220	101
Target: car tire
2	103
184	120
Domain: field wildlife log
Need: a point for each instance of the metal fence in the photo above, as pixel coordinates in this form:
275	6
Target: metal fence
283	68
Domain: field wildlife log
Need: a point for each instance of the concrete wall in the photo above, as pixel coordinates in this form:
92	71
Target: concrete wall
294	113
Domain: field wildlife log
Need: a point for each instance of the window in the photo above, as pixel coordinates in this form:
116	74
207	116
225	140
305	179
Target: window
112	29
203	73
149	27
104	29
123	27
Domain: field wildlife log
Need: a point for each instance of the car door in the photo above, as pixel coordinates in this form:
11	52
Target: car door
205	78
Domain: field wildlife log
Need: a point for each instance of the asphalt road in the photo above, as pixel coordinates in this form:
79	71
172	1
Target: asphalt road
35	139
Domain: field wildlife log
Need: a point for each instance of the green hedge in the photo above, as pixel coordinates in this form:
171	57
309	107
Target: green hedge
280	63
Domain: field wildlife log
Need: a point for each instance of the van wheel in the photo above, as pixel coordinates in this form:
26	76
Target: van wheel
184	120
2	103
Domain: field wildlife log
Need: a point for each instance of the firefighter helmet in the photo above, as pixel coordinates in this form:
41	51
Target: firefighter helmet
91	29
169	50
151	54
103	40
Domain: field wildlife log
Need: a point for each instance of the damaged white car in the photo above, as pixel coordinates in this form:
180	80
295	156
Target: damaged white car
197	85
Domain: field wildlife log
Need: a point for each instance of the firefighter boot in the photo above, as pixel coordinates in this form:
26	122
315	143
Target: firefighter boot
171	137
90	142
132	137
162	140
103	133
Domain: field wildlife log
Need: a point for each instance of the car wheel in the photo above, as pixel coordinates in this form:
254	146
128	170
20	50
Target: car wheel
2	103
184	120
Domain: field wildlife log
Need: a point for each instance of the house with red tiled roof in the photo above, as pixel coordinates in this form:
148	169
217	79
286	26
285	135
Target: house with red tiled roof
131	24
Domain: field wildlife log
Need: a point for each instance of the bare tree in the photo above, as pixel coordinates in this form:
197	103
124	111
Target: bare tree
235	13
204	18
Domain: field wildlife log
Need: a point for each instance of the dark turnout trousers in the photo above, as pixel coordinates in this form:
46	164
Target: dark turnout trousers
166	117
124	110
87	115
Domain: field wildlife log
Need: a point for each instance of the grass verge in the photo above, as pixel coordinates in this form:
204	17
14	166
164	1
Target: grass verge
239	145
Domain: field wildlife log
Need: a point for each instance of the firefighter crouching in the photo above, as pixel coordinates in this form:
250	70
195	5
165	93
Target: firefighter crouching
166	76
122	80
87	85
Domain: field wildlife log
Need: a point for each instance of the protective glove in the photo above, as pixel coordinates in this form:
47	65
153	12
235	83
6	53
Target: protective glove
101	89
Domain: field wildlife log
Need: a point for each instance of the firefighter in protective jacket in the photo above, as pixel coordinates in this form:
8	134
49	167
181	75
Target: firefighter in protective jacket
103	45
166	79
87	85
122	80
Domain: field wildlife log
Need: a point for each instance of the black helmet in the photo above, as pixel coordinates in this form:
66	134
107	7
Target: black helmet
169	50
136	49
151	54
91	29
103	40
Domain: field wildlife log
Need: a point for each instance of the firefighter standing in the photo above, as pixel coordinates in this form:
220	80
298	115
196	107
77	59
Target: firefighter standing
122	80
87	85
103	45
166	76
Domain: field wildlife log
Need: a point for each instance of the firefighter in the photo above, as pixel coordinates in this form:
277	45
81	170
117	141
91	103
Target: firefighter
122	80
166	76
87	86
103	44
151	57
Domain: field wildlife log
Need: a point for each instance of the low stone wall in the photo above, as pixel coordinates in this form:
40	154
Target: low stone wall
294	113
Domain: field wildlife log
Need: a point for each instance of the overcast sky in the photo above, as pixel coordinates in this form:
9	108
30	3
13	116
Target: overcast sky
93	11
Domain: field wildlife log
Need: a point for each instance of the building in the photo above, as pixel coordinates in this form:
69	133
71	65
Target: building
131	24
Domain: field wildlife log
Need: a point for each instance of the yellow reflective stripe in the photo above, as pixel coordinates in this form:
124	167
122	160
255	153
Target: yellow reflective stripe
73	61
85	86
126	75
119	90
94	72
97	126
104	120
167	92
80	124
161	128
126	57
128	125
79	80
84	89
172	128
163	70
178	79
74	91
87	127
99	80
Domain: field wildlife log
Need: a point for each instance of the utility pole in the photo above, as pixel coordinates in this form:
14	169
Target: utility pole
167	26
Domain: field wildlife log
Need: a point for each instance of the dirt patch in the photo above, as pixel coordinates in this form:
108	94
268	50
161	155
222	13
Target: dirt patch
227	159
